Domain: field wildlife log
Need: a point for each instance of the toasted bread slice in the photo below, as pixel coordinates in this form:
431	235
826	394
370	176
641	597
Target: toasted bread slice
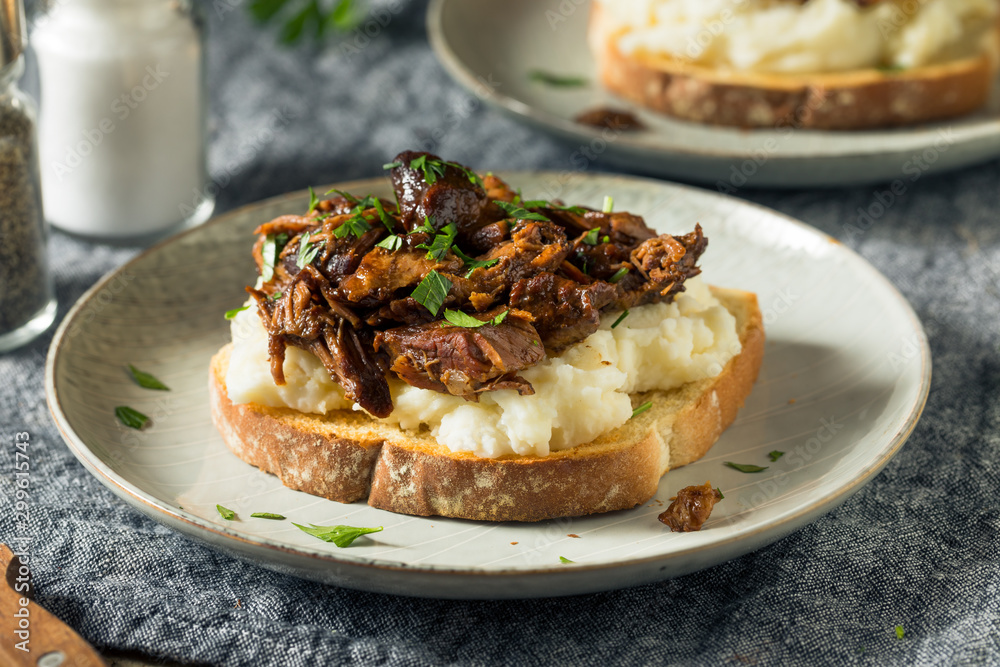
348	456
854	100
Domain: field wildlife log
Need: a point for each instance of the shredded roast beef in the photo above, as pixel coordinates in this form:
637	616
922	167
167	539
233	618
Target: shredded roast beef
463	361
690	508
450	291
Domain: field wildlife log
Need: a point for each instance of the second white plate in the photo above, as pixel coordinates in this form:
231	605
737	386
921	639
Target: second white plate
491	46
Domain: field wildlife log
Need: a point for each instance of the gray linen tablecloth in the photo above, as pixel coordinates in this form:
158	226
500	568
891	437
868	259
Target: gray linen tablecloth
918	547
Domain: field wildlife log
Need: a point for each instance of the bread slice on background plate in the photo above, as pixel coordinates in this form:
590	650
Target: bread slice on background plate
348	456
854	100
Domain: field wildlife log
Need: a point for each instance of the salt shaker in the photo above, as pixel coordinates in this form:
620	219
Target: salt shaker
122	127
27	304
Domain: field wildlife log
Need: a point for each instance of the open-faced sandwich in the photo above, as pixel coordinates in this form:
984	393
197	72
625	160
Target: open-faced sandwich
468	353
825	64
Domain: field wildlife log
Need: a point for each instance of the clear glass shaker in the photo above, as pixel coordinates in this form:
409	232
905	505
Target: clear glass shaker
123	109
27	303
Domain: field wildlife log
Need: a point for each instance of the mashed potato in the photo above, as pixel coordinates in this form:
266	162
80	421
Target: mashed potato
579	395
819	36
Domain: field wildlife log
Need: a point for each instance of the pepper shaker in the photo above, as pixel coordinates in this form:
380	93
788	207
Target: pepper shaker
122	127
27	304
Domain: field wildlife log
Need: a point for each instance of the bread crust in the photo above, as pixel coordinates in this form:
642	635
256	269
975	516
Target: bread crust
861	99
347	456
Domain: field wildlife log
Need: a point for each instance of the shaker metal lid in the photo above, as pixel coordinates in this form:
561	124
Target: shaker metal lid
12	33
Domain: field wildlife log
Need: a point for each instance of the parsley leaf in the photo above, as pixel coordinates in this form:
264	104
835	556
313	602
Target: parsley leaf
351	199
225	513
472	264
131	418
559	80
230	314
432	291
356	225
432	169
460	319
342	536
515	211
383	216
307	251
273	244
439	247
900	633
590	238
619	274
267	515
563	559
745	467
621	318
775	455
147	381
313	201
541	203
642	408
391	242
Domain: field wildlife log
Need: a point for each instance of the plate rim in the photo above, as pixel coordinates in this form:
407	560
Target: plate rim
466	77
157	510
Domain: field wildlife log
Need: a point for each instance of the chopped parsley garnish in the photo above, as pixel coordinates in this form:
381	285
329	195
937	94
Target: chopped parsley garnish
642	408
609	204
775	455
391	242
356	225
900	633
541	203
745	467
383	216
439	247
267	515
521	213
230	314
225	513
590	238
307	251
273	243
351	199
313	201
563	559
559	80
342	536
391	165
131	418
472	264
432	291
719	491
432	171
147	381
621	318
428	226
619	274
460	319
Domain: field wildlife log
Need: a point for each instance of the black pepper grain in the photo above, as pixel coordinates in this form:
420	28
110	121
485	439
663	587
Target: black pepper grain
24	287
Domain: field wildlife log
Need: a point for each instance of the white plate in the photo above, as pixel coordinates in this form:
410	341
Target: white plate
842	344
490	46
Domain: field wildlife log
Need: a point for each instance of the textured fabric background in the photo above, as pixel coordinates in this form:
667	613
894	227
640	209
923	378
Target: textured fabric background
918	547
